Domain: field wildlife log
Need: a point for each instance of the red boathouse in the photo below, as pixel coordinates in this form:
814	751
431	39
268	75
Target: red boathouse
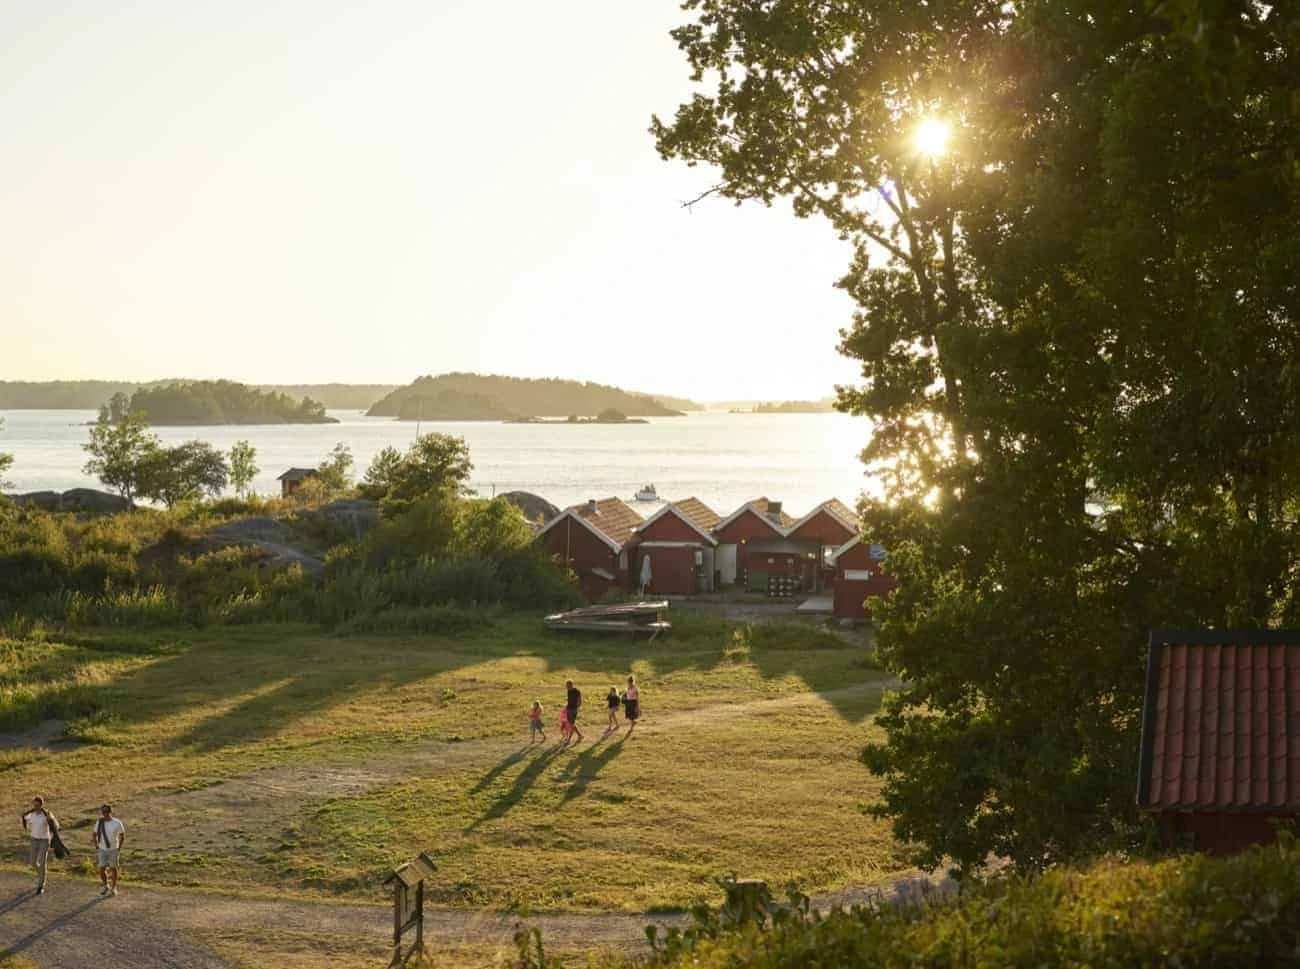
859	573
591	539
677	543
758	520
1220	755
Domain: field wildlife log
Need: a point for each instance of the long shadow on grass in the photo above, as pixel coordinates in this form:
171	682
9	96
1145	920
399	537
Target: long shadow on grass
521	786
264	679
588	764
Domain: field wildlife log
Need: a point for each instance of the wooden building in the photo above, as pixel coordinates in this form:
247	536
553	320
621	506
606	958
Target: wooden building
591	538
757	520
292	480
674	548
818	535
859	573
1220	754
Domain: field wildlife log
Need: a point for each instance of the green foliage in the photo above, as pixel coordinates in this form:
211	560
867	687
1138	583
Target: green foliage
118	452
223	402
378	479
1189	911
186	472
335	473
243	467
433	463
118	406
1077	334
6	461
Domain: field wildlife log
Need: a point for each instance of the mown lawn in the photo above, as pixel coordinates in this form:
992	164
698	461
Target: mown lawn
282	759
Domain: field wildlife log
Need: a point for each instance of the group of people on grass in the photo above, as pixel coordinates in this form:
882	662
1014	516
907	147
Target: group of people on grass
629	700
43	829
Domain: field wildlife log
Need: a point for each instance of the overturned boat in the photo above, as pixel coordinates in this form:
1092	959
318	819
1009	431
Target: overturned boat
636	618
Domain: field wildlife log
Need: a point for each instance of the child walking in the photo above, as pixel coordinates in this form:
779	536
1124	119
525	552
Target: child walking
612	701
566	728
535	729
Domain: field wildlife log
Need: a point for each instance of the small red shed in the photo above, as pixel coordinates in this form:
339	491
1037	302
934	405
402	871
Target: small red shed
859	573
592	539
1220	754
291	480
757	519
676	541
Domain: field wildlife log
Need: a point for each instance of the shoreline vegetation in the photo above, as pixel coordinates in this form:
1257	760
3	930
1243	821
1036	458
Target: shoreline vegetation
204	403
90	394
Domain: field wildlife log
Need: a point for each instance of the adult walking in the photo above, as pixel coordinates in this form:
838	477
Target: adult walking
631	704
42	827
109	836
573	700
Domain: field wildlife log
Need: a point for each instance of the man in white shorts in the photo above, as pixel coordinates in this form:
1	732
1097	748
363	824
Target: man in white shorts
41	825
109	835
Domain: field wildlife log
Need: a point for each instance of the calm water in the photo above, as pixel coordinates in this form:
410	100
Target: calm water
723	459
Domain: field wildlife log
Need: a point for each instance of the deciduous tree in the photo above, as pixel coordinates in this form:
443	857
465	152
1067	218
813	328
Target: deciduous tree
118	452
243	467
186	472
1077	328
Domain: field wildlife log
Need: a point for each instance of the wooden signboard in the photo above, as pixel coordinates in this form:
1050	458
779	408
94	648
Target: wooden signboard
408	906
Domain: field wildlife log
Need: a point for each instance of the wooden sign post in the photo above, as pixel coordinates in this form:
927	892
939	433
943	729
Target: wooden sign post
408	905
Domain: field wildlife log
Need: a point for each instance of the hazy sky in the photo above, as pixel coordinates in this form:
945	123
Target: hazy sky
314	190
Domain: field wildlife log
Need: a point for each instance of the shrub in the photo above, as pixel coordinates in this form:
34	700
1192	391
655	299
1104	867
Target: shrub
1187	911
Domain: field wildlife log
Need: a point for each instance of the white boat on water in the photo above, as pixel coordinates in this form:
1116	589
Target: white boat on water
647	493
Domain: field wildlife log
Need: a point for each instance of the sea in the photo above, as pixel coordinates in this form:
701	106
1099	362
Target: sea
724	459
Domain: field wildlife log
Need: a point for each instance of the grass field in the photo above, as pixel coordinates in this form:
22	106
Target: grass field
284	760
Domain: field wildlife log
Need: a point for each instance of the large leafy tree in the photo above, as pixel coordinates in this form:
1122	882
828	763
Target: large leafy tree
243	467
1077	330
185	472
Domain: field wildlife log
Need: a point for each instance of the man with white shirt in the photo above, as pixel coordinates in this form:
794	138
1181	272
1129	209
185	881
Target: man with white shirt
41	825
109	835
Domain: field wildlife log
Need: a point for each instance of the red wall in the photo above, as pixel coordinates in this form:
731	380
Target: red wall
824	528
747	526
672	570
669	528
850	595
585	552
1225	833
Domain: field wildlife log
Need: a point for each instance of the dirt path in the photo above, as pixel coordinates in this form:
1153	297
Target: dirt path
71	926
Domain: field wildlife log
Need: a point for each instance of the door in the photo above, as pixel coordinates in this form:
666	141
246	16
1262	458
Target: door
726	565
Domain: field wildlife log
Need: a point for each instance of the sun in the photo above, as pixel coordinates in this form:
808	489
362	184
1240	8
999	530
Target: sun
932	137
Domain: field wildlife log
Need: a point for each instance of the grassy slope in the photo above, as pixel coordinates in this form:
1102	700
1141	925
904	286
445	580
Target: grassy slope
283	759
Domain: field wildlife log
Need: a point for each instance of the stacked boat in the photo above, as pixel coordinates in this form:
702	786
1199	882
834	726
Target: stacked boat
634	618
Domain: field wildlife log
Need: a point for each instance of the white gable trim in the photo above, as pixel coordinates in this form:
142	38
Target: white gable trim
673	509
826	507
835	556
570	513
751	507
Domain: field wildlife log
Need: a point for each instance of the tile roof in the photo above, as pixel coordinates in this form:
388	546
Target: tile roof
701	515
764	508
1221	723
838	508
297	474
613	517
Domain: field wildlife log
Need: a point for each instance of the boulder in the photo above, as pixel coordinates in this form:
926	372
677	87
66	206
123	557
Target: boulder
96	502
358	515
535	508
45	500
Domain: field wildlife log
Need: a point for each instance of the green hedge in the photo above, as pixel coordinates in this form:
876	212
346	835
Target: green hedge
1187	911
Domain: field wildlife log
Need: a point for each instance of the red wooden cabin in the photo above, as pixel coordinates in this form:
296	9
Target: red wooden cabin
591	539
859	572
1220	755
678	543
759	519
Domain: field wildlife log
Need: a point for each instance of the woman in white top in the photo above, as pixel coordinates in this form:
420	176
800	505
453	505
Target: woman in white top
631	704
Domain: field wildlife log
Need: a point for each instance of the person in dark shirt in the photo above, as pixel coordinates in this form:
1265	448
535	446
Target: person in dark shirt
612	701
571	704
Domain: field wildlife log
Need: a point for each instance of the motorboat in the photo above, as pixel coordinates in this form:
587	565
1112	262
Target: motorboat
647	493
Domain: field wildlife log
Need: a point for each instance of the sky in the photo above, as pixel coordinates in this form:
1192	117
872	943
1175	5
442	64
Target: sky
306	191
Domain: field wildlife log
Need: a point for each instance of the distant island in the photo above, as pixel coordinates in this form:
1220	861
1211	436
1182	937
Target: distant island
607	416
824	406
216	402
89	394
480	397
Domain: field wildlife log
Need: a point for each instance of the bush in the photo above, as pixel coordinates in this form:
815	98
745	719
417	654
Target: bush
1187	911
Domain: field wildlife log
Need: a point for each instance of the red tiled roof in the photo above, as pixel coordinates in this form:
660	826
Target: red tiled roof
1221	724
764	508
837	507
613	517
701	515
